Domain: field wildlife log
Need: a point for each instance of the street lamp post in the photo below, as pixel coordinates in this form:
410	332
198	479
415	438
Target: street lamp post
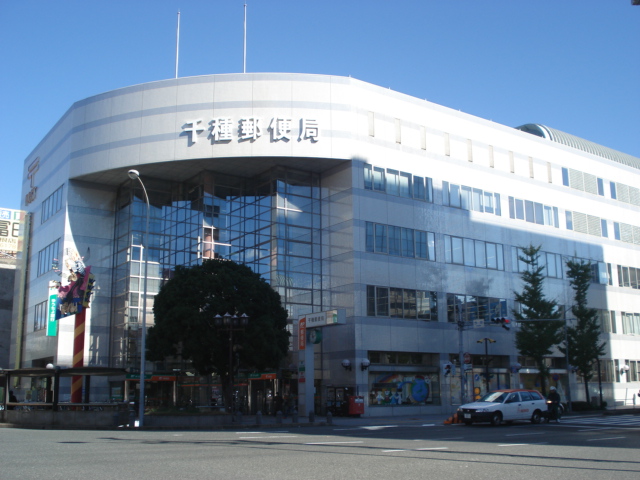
135	175
230	323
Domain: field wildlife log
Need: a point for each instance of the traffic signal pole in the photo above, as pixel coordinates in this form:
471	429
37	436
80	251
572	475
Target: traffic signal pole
463	379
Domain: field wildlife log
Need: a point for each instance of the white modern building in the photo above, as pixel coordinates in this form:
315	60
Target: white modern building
403	215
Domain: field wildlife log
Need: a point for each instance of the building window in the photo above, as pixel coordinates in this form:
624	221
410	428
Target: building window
473	253
626	233
40	316
582	181
393	186
402	303
399	241
628	277
552	263
607	321
374	178
625	193
394	182
51	205
632	374
47	257
472	199
630	323
533	212
589	224
469	308
600	273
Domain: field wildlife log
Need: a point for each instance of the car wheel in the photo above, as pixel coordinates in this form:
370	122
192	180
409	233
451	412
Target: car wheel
496	418
468	422
536	417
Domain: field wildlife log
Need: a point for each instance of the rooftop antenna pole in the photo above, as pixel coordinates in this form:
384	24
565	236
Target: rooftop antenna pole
177	42
244	58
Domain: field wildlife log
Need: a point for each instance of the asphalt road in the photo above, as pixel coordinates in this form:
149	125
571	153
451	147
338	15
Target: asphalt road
569	450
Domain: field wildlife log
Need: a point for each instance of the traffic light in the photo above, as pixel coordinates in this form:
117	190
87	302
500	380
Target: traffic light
502	321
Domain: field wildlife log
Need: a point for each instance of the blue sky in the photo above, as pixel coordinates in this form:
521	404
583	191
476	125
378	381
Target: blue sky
570	64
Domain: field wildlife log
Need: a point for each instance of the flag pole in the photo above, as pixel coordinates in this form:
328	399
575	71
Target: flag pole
177	42
244	57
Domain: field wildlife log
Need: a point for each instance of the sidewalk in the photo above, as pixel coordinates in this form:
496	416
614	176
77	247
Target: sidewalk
271	422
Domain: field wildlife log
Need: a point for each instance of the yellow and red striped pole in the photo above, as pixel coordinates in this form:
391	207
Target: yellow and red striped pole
78	355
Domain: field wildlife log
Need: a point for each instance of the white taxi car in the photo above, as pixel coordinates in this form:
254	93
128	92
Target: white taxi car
505	406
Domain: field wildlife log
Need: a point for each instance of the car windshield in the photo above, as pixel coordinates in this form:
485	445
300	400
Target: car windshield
494	397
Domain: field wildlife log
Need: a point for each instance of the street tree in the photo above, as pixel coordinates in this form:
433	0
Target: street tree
584	343
536	339
185	310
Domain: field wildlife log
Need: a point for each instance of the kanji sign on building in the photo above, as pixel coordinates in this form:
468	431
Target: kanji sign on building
221	129
9	230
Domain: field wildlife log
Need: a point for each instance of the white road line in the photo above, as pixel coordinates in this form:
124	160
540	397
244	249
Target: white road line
268	436
258	433
522	444
436	439
329	443
598	439
432	448
524	434
391	451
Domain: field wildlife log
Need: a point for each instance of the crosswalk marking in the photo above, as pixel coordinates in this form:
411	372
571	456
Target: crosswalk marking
616	420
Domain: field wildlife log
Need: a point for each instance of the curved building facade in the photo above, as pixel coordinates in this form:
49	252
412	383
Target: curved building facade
404	216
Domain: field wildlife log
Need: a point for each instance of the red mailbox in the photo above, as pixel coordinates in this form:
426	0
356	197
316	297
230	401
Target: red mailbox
356	405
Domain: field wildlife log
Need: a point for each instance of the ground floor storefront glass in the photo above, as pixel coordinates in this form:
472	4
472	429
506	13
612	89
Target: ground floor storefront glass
475	384
397	388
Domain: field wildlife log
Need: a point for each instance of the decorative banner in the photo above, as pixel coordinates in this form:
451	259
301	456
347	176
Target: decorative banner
73	299
74	296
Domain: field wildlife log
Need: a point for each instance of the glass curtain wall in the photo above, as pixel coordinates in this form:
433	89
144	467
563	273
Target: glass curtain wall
270	223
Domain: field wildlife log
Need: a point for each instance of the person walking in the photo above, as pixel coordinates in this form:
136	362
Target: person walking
277	404
12	399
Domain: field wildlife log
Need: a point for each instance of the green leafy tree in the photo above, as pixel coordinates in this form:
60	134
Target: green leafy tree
185	310
584	343
535	339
